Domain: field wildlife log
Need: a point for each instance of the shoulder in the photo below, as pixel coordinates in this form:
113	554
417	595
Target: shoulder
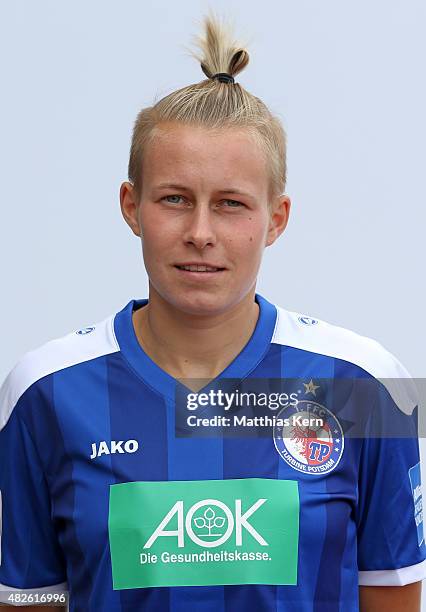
314	335
75	347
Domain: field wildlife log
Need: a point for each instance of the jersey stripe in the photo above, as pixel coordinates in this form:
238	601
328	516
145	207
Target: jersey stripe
53	356
326	339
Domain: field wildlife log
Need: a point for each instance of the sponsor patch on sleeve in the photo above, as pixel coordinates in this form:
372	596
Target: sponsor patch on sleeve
416	489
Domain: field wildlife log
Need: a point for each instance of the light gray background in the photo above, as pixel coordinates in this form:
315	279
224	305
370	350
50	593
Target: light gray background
347	80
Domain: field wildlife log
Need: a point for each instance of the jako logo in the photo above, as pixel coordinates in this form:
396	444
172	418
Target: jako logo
130	446
208	523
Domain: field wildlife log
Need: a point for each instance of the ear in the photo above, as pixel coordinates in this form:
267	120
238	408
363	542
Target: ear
130	207
279	215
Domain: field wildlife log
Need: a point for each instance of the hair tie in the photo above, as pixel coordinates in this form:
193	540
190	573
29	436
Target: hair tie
223	77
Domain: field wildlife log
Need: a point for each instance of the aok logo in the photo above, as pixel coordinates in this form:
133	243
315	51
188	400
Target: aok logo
208	523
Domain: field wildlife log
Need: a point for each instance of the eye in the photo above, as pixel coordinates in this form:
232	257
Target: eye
235	202
172	196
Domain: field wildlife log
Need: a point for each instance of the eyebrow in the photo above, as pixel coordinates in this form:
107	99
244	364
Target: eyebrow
183	188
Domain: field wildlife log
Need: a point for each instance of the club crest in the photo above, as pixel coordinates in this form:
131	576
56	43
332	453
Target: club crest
312	439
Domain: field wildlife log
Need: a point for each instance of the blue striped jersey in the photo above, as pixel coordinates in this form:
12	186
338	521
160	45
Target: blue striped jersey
118	485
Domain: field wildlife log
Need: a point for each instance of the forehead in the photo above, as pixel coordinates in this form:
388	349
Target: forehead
206	157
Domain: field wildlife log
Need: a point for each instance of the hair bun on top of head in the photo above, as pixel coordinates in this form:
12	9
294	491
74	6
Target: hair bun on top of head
222	56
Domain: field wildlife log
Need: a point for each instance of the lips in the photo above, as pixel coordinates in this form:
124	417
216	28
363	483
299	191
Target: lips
198	273
199	268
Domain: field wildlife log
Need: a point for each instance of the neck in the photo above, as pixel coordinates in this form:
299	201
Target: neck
194	346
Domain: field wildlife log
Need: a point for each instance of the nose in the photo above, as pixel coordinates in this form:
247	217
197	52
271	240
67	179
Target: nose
199	230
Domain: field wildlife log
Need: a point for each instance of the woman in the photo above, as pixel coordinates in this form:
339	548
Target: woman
115	489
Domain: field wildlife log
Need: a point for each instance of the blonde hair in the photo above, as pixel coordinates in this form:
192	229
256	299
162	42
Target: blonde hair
215	105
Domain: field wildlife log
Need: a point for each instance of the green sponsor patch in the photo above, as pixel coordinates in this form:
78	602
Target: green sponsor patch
204	532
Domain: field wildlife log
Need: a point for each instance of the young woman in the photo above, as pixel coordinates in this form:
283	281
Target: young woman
110	487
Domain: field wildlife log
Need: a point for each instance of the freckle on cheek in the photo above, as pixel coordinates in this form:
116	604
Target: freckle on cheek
251	239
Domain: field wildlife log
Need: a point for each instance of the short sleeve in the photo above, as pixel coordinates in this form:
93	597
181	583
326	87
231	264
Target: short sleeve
30	555
389	516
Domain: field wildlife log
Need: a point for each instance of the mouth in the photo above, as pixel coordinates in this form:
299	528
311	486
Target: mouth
199	271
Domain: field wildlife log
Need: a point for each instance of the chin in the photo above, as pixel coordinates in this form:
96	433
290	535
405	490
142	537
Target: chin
201	304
